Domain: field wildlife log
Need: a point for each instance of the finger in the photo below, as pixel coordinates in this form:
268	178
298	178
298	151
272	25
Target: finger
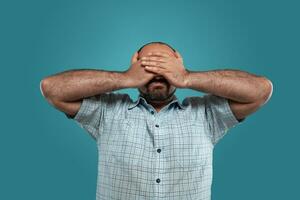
151	63
151	72
158	53
157	70
157	59
134	58
155	64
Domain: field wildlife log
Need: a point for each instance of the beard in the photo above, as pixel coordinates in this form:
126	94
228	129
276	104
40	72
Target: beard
157	90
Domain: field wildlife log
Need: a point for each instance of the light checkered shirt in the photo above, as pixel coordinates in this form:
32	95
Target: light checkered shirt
144	154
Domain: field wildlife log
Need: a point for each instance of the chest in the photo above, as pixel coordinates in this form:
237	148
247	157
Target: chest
139	140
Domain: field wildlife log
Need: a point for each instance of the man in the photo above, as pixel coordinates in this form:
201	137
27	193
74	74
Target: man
156	147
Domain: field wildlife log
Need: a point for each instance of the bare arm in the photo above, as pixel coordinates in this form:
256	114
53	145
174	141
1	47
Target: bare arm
73	85
246	92
66	90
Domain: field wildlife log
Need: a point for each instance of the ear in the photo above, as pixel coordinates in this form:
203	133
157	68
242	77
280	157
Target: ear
134	58
179	57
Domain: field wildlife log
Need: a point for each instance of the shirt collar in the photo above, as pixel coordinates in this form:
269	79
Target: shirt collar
143	100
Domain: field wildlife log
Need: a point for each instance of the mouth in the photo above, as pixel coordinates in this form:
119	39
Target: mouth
157	84
158	81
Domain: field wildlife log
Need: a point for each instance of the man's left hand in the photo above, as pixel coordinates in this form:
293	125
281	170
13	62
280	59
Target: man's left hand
170	67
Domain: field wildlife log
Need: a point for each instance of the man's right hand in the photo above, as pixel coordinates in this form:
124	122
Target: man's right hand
137	74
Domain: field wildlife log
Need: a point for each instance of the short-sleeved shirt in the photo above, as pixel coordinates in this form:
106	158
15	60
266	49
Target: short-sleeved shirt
145	154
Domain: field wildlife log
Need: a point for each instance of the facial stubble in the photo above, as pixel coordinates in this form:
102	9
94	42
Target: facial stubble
158	92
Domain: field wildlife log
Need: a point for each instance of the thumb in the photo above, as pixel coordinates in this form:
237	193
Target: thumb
179	57
134	58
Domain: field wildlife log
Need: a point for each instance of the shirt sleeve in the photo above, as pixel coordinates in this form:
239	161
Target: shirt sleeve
95	108
219	116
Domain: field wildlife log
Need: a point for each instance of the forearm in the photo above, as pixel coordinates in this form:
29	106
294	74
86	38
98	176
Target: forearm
232	84
73	85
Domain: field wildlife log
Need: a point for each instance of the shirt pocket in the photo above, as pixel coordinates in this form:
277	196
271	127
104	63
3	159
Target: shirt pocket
124	146
191	146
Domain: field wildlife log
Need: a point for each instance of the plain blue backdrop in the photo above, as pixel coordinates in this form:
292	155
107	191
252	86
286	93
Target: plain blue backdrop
45	156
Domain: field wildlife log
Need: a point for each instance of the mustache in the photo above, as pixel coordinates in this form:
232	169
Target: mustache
160	79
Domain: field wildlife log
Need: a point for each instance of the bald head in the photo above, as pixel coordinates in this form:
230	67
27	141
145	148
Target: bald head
151	47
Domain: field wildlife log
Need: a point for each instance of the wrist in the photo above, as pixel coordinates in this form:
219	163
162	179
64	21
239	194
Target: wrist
126	81
188	79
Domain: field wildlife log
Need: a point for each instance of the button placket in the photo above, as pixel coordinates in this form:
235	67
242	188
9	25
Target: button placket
158	150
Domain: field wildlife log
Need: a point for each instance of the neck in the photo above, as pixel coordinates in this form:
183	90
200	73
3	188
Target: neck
159	104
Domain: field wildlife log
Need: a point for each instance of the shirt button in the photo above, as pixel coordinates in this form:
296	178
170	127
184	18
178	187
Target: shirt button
156	125
157	180
158	150
152	112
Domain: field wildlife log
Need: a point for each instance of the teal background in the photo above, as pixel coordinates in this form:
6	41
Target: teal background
45	156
